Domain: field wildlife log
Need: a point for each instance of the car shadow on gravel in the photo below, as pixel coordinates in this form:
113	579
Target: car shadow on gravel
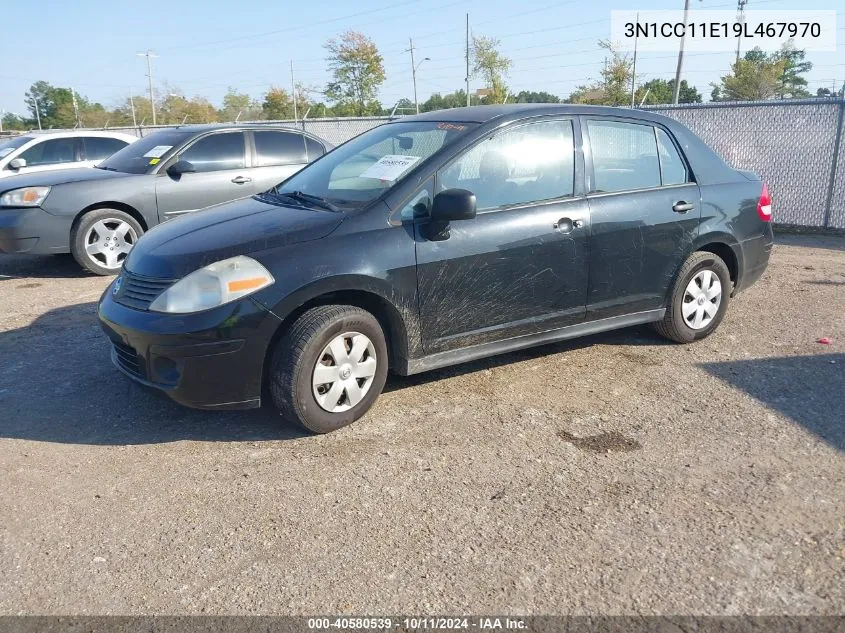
57	384
807	389
19	267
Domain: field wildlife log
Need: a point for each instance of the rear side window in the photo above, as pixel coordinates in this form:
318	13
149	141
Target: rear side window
279	148
624	156
98	147
53	151
672	167
315	149
528	163
216	152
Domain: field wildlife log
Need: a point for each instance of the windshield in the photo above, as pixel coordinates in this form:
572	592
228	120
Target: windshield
9	145
361	170
140	156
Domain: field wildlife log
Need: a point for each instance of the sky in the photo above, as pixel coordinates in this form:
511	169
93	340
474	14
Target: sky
206	46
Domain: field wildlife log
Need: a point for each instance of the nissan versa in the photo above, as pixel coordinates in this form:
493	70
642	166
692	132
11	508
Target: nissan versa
434	240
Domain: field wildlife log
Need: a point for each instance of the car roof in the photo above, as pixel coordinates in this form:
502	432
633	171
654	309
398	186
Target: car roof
210	127
487	113
42	134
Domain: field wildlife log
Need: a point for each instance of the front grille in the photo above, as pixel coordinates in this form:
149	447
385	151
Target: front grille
129	360
139	292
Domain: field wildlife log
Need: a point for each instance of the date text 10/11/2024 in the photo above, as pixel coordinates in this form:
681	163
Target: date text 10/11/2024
417	623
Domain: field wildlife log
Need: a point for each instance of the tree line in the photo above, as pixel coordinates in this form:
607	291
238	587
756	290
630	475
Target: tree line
357	73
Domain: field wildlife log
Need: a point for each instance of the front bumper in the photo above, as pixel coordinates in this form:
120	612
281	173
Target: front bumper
208	360
34	231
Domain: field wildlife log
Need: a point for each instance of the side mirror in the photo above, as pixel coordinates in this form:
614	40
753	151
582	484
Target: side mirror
17	163
449	205
180	167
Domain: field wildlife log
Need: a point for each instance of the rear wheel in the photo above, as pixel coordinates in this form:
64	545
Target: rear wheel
329	368
101	240
699	299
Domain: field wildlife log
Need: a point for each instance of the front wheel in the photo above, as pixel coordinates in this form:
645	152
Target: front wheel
699	299
101	240
329	367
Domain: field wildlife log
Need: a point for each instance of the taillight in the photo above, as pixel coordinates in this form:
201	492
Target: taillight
764	205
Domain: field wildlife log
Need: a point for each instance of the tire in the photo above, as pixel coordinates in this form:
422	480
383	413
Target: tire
101	239
294	367
680	327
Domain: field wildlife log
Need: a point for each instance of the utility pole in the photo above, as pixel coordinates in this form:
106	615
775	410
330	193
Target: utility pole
75	107
680	57
740	17
149	55
293	92
132	105
634	69
414	75
467	59
37	111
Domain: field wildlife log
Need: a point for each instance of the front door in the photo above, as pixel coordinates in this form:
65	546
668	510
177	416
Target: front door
520	266
222	174
644	210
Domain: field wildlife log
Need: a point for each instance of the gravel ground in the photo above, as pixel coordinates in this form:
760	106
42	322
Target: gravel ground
616	474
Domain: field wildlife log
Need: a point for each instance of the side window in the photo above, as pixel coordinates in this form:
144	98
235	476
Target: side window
315	149
278	148
624	156
524	164
57	150
216	152
99	147
672	167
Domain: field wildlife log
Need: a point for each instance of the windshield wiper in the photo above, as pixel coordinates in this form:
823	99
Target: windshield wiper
303	197
106	168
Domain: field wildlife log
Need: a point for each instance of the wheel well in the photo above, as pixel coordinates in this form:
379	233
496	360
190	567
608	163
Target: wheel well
120	206
387	315
728	256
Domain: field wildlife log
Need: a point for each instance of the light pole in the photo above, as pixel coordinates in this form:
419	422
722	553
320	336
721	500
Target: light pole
414	68
677	90
148	55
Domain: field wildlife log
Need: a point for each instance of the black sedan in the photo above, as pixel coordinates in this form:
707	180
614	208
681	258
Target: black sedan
434	240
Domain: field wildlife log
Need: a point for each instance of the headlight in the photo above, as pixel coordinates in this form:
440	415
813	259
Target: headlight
214	285
26	197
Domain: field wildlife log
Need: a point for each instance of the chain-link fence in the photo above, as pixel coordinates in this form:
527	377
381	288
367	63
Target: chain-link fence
796	146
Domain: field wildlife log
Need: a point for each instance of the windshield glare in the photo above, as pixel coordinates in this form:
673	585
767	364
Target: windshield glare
9	145
139	157
361	170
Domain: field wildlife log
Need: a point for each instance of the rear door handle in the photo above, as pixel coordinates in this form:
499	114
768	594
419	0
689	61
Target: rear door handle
682	207
565	225
240	180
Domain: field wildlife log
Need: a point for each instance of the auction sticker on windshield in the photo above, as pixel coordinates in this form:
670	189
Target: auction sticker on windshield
158	151
389	167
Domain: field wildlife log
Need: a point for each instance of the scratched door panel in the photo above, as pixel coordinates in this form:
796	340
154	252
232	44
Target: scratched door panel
502	274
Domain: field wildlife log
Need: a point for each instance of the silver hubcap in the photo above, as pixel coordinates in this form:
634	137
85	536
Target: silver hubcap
344	372
109	241
702	299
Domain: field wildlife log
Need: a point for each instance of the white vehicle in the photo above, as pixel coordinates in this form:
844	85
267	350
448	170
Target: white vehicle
43	151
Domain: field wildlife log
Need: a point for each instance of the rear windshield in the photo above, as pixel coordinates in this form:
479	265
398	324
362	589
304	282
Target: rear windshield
143	155
9	145
361	170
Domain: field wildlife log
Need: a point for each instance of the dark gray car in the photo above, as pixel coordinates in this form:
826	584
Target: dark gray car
99	213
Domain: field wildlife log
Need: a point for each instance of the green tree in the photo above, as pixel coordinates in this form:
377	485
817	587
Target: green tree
536	97
236	104
277	104
357	72
614	87
661	91
457	99
755	77
492	66
791	85
176	108
12	121
55	105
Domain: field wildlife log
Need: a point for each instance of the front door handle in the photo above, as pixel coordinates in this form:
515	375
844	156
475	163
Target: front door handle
565	225
240	180
682	207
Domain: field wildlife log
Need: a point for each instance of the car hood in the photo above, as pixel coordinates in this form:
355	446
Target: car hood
181	246
60	177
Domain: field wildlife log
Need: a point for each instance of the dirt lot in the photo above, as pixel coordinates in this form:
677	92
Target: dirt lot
614	474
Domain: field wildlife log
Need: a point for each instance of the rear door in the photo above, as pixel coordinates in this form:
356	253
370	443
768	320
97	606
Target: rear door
223	174
644	211
519	266
278	155
98	148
